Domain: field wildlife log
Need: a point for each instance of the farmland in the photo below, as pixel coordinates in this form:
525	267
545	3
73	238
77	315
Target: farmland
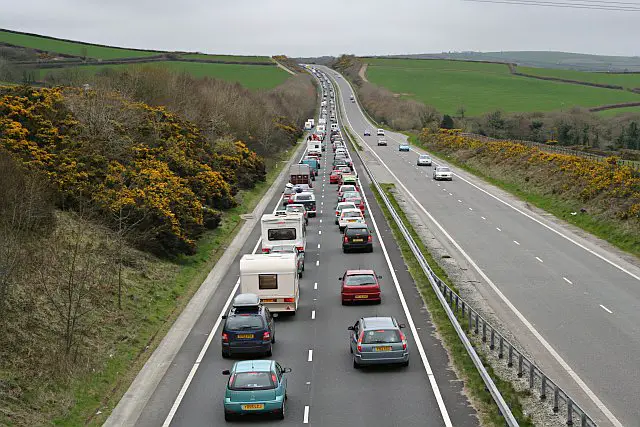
619	111
625	80
249	76
480	87
228	58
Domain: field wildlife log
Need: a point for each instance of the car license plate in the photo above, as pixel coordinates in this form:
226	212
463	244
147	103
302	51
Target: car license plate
245	336
253	407
268	300
358	240
362	296
384	348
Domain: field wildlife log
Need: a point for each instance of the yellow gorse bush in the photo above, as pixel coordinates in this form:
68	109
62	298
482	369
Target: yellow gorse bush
606	182
129	159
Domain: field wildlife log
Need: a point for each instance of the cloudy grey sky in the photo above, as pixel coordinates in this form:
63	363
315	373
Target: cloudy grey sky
327	27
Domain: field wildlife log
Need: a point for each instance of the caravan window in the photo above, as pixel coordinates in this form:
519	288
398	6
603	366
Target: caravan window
282	234
267	281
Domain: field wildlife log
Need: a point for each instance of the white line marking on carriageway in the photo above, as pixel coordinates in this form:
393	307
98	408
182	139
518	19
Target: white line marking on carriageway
317	263
315	285
305	418
612	418
310	357
568	281
498	229
539	259
606	309
516	242
212	334
313	315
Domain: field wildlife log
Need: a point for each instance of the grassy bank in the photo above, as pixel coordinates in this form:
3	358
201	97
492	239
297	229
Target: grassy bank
487	409
601	226
94	396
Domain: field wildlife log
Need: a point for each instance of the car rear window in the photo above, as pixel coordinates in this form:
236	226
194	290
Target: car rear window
243	322
356	201
356	231
281	234
295	209
381	336
346	188
304	197
352	214
251	381
360	280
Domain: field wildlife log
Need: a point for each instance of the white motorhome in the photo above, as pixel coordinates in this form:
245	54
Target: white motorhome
287	229
311	144
307	125
274	278
320	128
322	121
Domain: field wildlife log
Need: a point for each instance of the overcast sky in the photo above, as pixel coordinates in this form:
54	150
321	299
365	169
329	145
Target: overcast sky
329	27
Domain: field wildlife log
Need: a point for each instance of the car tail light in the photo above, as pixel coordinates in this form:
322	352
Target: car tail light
225	337
369	239
266	336
337	213
274	379
360	341
300	248
265	250
346	239
404	340
288	300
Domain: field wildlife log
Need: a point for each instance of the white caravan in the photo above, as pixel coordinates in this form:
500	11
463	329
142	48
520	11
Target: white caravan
274	278
283	229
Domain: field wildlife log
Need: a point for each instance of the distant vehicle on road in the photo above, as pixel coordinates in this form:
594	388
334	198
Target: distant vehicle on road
349	216
341	206
360	286
424	160
382	142
255	387
357	236
248	328
291	249
403	147
378	340
442	172
367	132
380	132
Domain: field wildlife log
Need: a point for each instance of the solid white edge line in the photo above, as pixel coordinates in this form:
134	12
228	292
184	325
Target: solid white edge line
305	417
585	388
606	309
205	347
310	357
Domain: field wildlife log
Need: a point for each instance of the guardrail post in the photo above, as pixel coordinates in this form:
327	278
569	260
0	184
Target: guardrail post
456	299
556	397
569	411
583	420
477	321
470	320
484	331
519	366
492	344
500	353
463	307
532	373
510	362
543	387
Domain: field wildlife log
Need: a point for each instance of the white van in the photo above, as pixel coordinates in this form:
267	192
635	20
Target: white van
307	125
274	278
322	121
320	128
283	229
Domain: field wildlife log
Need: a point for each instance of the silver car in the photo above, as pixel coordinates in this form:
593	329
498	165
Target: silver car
424	160
378	341
442	172
291	249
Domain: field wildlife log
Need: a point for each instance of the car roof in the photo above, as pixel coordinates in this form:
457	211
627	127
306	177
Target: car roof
378	322
351	272
351	210
424	155
346	203
306	193
246	300
252	365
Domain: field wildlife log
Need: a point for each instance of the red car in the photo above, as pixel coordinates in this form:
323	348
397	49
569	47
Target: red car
360	285
334	178
356	201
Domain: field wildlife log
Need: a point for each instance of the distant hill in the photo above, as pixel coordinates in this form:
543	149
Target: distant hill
542	59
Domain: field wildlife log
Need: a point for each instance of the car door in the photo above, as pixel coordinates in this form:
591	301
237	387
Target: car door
353	340
282	379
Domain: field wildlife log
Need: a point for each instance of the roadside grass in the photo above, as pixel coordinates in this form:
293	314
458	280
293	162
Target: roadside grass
170	292
234	58
250	76
352	139
627	81
600	226
483	402
482	88
71	48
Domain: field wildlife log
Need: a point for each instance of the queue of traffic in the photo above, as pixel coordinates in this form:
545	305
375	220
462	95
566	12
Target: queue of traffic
270	280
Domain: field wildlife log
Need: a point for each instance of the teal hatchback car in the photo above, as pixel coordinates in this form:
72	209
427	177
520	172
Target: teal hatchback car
255	387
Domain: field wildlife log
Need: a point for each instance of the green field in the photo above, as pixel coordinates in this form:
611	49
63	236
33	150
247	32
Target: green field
481	88
618	111
624	80
70	48
235	58
249	76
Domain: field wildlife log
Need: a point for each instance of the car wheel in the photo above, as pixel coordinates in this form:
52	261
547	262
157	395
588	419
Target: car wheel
405	364
226	354
273	337
228	416
356	365
269	353
281	413
371	249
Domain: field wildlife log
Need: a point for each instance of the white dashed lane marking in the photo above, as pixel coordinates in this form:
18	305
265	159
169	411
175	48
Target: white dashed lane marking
606	309
483	218
315	285
305	418
313	315
568	281
317	263
498	229
516	242
539	259
310	358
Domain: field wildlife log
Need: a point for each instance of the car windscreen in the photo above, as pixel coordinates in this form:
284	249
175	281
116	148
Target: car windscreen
244	322
351	195
294	208
381	336
304	197
282	249
352	214
354	200
281	234
360	280
251	381
349	206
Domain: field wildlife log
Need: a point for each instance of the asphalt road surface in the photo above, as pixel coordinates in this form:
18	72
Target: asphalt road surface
324	388
576	304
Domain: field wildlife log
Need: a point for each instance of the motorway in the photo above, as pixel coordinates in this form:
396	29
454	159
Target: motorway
573	304
324	388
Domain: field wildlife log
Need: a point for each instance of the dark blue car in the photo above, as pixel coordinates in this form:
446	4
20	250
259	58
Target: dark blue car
249	328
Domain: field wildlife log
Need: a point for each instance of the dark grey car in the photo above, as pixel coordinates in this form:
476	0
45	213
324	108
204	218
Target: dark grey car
378	341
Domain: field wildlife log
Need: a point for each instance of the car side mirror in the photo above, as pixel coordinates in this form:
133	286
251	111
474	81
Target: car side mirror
350	328
286	370
339	278
402	325
224	317
226	372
